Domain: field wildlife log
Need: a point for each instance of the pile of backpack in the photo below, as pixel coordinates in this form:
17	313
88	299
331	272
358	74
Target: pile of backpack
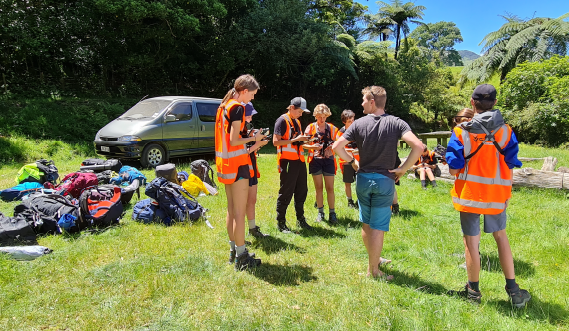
168	201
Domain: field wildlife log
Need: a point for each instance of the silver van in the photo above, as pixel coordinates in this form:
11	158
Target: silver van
156	129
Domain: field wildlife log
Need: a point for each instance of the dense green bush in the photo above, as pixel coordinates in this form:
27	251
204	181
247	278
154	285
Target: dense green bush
534	99
70	120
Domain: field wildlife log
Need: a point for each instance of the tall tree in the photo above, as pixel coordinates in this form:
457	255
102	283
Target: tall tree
518	41
343	15
397	16
441	38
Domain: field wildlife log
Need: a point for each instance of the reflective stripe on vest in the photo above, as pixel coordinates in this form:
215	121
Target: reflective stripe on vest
229	158
289	151
485	183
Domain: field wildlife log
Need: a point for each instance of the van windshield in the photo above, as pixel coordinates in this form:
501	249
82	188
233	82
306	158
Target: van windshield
145	109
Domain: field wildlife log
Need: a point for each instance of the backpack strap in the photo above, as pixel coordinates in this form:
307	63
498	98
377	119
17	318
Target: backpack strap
489	138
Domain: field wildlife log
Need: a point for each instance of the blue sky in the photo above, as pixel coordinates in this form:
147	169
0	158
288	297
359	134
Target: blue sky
476	19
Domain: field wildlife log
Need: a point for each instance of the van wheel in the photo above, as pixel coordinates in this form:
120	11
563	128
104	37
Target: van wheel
153	155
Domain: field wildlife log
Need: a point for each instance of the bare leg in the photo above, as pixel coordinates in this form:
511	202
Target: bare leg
229	216
395	197
251	201
472	254
319	186
373	240
422	173
348	190
429	172
505	254
331	197
236	206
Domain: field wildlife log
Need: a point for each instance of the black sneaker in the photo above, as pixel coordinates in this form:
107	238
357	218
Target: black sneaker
232	256
333	219
283	228
468	294
321	217
395	209
518	296
352	204
256	232
246	261
301	223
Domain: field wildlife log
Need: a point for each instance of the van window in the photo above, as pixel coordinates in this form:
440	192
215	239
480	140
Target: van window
145	109
207	111
182	111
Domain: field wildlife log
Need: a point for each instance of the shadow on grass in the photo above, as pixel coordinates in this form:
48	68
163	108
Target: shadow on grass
406	214
535	309
10	152
281	275
317	231
349	222
271	245
491	263
413	281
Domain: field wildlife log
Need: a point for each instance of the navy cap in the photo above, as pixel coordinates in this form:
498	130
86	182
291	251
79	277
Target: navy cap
484	92
250	110
299	102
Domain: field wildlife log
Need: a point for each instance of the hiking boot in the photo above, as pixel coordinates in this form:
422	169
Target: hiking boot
283	228
518	296
246	261
256	232
433	184
232	256
301	223
333	219
468	294
321	217
352	204
395	209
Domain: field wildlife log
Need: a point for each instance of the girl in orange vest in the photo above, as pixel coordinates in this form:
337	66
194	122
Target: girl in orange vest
234	168
321	161
426	166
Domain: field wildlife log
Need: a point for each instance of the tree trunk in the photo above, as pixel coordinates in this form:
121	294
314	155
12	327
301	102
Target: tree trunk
397	36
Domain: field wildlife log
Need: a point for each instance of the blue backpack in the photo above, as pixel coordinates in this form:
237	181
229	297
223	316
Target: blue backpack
125	179
171	200
19	191
147	212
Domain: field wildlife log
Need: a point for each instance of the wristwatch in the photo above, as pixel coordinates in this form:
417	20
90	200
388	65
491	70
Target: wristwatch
352	161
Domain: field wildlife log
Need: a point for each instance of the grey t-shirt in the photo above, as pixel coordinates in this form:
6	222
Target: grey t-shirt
377	138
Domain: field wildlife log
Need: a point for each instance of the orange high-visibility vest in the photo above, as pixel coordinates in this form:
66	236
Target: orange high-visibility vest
429	159
229	158
313	129
341	161
289	151
485	182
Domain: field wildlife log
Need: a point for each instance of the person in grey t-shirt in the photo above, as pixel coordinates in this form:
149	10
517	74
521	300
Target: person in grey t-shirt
377	135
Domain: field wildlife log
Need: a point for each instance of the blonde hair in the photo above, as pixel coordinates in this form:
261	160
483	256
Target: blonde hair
322	109
465	115
377	93
243	82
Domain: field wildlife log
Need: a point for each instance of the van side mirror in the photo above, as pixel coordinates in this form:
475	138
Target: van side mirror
170	118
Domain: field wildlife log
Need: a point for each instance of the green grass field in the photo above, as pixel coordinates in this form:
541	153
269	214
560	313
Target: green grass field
151	277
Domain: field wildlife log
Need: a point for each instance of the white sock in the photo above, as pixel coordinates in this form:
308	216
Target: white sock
231	245
240	250
252	224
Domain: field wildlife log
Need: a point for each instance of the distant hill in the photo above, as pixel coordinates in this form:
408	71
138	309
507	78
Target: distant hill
468	56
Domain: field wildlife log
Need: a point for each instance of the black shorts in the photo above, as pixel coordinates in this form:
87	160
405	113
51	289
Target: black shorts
243	173
349	174
436	173
253	181
322	167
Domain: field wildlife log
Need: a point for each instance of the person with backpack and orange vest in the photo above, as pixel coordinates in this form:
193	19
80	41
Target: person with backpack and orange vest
426	167
288	139
321	160
482	154
234	167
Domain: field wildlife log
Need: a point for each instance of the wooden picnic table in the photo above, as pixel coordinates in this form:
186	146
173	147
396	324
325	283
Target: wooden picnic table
441	136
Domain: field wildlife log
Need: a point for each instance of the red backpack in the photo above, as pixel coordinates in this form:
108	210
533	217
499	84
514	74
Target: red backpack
74	183
101	205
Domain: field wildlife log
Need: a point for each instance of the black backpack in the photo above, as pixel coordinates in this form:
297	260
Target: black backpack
101	206
49	169
203	171
14	229
174	200
43	212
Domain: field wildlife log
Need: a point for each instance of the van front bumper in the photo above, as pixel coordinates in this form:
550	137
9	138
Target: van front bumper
119	149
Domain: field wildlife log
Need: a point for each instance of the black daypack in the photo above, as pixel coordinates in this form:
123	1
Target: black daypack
15	229
203	171
101	206
44	211
49	169
178	206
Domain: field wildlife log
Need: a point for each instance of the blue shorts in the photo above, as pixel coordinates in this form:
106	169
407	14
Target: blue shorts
375	196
